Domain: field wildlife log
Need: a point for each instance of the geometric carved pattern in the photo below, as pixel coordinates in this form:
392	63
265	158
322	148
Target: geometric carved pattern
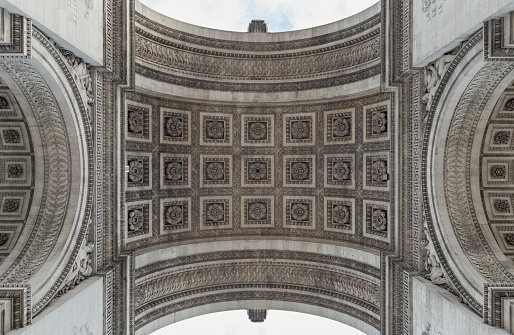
13	205
216	129
376	171
299	171
340	215
498	172
377	223
216	171
175	215
175	171
15	171
257	130
238	152
299	212
13	137
376	126
176	126
257	171
257	211
504	109
499	204
340	171
138	220
299	129
216	212
340	127
499	139
139	170
137	127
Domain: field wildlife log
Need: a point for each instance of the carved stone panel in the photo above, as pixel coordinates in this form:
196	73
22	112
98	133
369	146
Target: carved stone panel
175	215
257	130
257	171
340	215
340	170
14	205
215	212
257	211
216	171
139	174
299	129
376	171
175	170
15	171
216	129
13	137
299	171
299	212
376	125
175	126
138	126
340	127
138	218
377	220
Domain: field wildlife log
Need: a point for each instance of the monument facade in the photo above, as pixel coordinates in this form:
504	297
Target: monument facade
153	170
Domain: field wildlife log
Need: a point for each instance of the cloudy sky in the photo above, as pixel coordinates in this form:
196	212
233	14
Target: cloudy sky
276	323
280	15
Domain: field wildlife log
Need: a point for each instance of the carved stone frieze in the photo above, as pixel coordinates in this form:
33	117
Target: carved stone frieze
255	273
234	68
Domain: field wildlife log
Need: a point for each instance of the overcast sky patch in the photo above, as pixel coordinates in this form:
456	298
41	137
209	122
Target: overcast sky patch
280	15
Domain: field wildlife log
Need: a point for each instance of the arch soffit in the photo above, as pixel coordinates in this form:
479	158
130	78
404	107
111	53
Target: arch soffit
45	85
471	86
223	272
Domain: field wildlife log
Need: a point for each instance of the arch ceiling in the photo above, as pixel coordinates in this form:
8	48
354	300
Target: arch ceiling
198	170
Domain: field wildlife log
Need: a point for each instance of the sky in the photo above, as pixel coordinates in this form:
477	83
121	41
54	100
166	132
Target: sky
280	15
276	323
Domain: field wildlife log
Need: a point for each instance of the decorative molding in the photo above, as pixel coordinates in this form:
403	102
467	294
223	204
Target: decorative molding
356	290
18	45
429	119
81	269
456	184
57	165
261	292
143	24
498	38
229	66
214	85
15	302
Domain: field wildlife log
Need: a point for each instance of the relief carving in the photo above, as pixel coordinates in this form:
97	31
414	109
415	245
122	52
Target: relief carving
81	269
260	272
457	184
433	73
242	68
81	73
433	268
